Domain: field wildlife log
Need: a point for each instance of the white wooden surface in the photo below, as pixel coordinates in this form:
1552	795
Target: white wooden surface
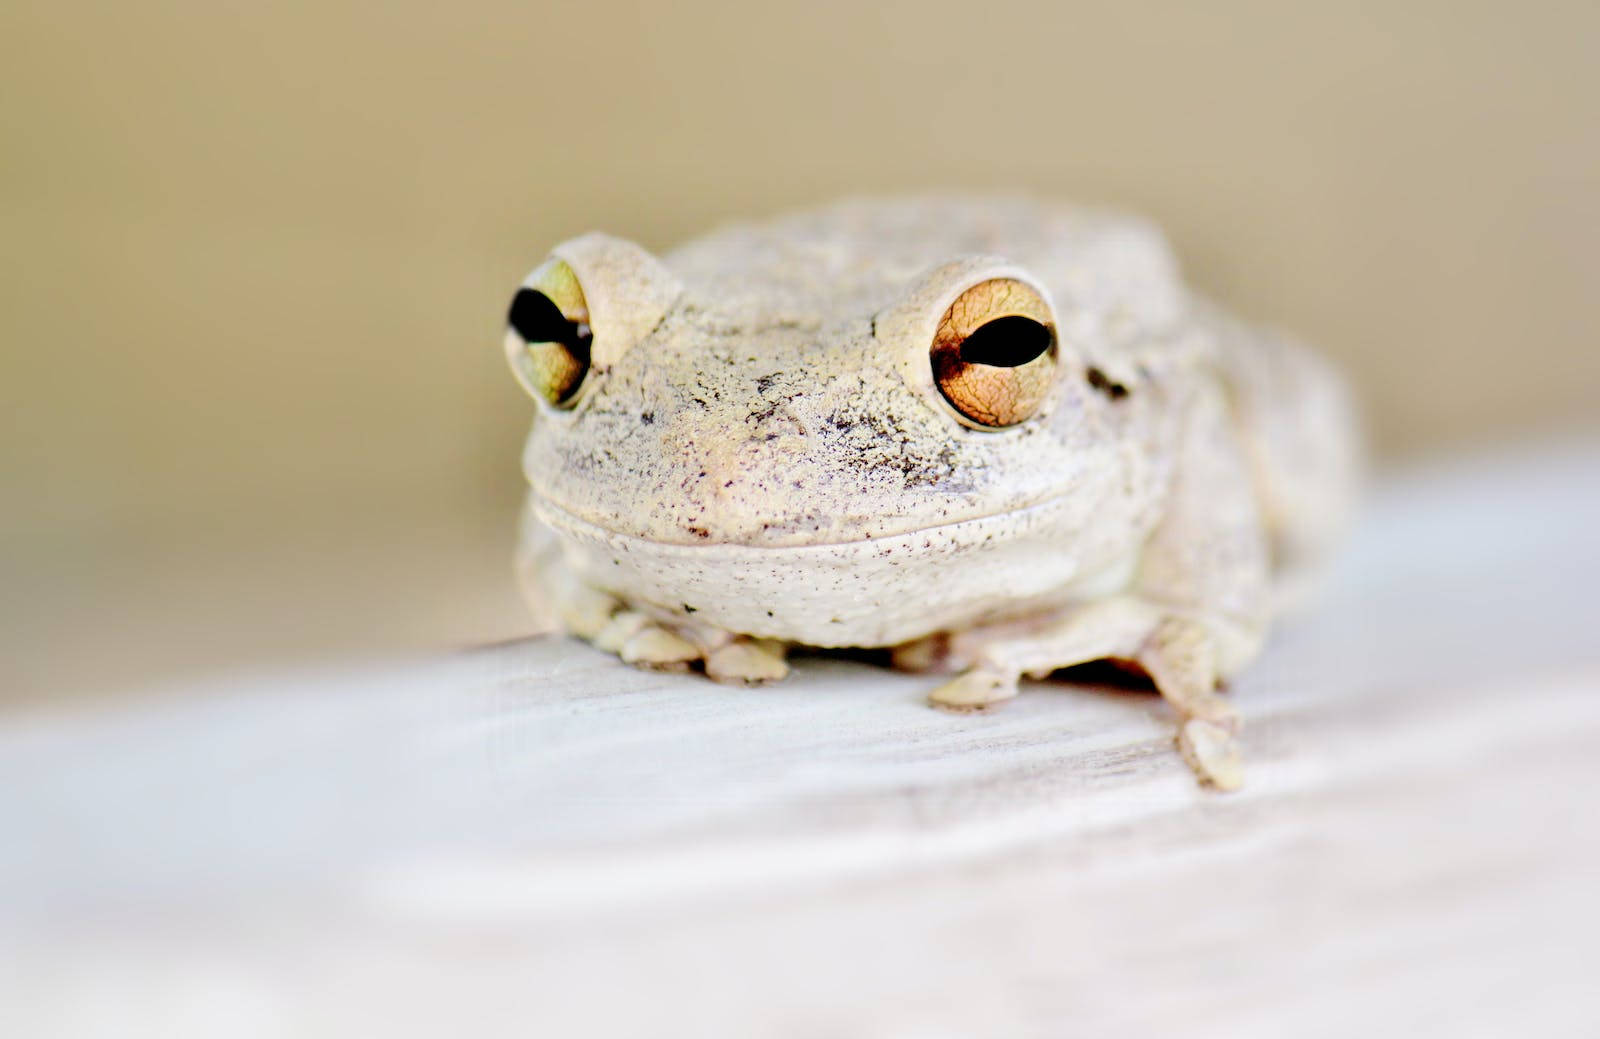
532	840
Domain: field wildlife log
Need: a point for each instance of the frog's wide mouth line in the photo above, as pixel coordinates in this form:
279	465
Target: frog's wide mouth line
964	532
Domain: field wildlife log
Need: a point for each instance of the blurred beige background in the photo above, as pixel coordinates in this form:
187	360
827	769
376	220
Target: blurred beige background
258	255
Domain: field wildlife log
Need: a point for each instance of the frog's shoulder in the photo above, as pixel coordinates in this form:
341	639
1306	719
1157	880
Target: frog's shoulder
858	256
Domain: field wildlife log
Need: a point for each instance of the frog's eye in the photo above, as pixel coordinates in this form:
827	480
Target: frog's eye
994	353
548	336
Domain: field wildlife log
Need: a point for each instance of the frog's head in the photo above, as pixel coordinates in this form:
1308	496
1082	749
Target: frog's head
769	412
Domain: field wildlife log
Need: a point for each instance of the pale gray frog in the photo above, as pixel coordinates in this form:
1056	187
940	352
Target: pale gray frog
995	436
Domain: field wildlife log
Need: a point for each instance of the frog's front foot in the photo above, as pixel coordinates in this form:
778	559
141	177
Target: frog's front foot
975	689
1212	751
659	649
1179	655
747	661
639	640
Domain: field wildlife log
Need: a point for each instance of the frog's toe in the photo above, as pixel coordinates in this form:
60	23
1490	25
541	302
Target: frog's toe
974	689
1213	752
747	661
657	648
618	629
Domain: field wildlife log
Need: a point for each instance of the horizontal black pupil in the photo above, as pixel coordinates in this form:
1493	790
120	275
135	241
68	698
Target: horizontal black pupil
1007	342
537	319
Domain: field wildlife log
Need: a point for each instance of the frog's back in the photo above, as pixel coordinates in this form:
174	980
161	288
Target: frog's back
856	257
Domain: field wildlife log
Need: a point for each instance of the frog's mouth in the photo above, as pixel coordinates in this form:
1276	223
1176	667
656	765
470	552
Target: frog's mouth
875	591
985	527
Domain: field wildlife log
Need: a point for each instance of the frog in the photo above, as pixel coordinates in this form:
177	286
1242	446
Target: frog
988	438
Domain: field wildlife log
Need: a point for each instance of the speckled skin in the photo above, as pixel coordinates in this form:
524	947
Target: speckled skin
759	457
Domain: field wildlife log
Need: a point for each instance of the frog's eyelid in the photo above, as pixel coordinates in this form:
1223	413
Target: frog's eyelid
628	290
918	311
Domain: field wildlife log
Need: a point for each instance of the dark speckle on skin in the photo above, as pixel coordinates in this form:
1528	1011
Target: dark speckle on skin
769	408
884	445
647	417
1101	382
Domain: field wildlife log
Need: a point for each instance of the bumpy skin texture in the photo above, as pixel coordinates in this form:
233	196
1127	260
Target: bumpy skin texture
759	457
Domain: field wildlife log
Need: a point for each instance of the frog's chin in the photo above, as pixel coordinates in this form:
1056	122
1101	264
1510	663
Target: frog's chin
877	591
